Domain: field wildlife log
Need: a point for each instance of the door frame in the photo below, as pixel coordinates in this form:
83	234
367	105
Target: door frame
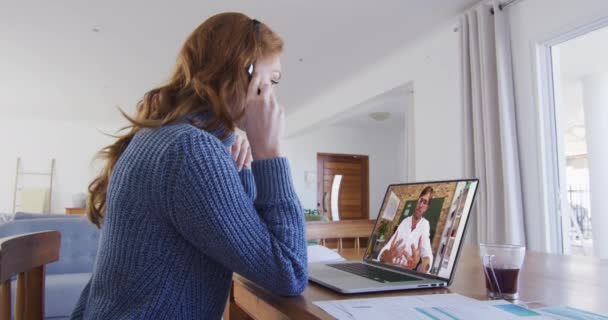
320	175
552	138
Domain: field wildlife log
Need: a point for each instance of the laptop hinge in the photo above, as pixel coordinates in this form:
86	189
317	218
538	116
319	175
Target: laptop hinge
405	271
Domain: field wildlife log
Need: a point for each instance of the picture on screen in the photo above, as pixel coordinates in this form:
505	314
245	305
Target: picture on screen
420	226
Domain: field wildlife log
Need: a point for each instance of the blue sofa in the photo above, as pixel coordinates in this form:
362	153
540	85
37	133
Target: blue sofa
65	278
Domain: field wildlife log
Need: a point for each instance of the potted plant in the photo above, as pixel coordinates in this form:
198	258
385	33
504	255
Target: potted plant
313	215
312	212
382	229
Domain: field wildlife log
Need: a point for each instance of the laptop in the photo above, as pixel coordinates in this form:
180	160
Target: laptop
415	242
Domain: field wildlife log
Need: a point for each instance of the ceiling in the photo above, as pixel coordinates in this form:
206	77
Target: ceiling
53	65
395	102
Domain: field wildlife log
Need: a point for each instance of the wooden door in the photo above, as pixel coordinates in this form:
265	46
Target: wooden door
353	196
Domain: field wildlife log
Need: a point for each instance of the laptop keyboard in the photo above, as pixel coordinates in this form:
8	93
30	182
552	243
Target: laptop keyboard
371	272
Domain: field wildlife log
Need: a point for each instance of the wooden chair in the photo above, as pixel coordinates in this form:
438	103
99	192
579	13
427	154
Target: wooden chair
320	230
26	256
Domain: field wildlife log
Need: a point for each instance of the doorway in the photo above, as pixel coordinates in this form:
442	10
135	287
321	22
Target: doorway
343	186
578	113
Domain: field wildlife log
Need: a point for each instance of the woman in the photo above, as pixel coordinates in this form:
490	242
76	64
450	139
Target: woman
178	205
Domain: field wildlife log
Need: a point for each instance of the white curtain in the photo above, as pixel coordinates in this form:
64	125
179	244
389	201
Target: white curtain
490	139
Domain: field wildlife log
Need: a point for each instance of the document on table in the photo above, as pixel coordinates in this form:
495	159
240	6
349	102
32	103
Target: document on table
568	313
554	312
425	307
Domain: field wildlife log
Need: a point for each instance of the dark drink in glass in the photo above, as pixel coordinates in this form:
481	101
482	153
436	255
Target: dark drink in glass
501	266
505	279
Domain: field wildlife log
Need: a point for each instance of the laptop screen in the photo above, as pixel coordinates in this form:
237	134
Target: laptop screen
420	226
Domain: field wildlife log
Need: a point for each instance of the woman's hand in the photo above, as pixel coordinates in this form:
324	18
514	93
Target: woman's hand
241	153
264	119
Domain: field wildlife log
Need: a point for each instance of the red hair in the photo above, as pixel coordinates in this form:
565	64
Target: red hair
210	76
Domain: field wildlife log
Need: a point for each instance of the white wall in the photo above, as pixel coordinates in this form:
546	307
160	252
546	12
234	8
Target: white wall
534	22
432	65
73	144
384	148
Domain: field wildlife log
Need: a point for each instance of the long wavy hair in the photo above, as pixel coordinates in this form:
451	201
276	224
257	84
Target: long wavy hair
210	76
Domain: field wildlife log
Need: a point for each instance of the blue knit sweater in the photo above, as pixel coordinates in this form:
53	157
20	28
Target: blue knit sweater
180	220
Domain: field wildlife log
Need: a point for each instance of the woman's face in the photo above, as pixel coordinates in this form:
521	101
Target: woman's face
269	69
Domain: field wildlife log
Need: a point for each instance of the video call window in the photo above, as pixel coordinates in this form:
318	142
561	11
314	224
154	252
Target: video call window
419	226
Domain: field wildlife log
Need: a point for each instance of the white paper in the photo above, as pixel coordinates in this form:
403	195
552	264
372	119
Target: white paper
318	253
568	313
423	307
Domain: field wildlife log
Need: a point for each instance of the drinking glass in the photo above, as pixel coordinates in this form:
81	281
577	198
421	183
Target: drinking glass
502	265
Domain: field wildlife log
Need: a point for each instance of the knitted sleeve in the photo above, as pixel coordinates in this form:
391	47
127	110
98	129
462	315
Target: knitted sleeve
248	183
264	240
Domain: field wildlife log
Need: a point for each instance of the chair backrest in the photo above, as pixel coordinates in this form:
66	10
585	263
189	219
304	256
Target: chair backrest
321	230
26	255
79	240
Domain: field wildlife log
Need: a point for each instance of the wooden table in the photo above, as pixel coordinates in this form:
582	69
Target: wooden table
75	210
580	282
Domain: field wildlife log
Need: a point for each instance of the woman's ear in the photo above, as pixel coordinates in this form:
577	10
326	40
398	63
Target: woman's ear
250	71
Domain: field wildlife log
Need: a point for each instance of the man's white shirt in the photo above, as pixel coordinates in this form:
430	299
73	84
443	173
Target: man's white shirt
409	236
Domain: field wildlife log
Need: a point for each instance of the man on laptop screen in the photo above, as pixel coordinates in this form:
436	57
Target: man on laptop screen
414	244
410	245
421	223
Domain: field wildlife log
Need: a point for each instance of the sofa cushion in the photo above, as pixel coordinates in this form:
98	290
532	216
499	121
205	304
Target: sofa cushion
62	292
28	215
79	241
6	217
